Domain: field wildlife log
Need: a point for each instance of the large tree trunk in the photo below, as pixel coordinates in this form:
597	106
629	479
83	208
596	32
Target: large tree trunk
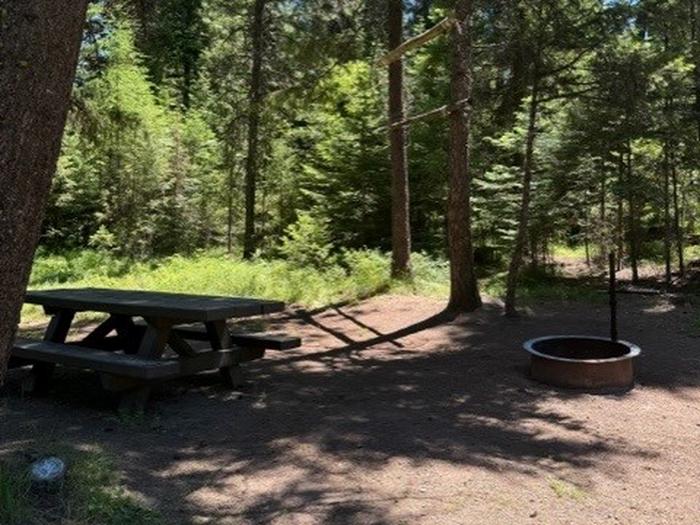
464	292
400	211
524	215
255	96
39	40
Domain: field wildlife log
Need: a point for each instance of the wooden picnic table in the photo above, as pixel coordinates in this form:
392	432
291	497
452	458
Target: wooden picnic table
147	337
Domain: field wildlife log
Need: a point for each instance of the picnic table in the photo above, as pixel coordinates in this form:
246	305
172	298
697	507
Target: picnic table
147	337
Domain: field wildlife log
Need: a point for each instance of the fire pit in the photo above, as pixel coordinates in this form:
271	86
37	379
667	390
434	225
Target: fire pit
577	361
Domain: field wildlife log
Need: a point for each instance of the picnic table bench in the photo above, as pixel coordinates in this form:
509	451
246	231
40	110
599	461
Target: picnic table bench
147	337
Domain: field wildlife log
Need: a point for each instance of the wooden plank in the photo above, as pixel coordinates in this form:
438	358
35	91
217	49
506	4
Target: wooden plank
111	343
218	359
101	331
56	332
179	345
193	333
179	308
154	340
16	362
59	326
417	41
94	359
251	340
219	337
267	341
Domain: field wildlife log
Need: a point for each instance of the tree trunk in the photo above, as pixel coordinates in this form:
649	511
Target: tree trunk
229	209
40	40
521	235
605	240
633	217
667	216
400	210
695	56
255	96
586	239
620	237
464	292
678	231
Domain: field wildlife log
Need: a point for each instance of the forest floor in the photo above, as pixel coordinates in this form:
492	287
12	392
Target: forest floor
394	413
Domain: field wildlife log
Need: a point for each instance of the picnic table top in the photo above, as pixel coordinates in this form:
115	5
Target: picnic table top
183	307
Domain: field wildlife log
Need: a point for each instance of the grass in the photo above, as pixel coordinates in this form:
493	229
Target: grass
564	489
543	284
570	252
91	494
354	275
14	496
360	274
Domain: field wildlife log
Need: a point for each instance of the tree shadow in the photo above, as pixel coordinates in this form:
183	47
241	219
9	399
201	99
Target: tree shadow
316	427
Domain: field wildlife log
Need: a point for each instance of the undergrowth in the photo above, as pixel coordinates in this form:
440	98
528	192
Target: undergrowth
348	276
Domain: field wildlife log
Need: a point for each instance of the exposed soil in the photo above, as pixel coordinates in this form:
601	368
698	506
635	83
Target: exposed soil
393	413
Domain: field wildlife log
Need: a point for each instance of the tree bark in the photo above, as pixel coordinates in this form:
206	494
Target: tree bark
605	240
39	40
586	239
678	230
255	96
229	211
464	292
524	215
620	233
695	55
633	217
667	215
400	208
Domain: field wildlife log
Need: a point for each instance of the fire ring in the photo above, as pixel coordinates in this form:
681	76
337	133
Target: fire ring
584	362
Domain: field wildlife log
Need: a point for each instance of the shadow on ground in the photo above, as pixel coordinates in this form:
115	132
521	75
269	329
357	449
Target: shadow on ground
374	388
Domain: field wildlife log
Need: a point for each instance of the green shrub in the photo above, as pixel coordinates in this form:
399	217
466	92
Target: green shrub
368	271
307	242
77	265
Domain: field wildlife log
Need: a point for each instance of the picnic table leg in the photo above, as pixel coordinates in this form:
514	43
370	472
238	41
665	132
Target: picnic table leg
56	332
129	335
152	346
219	338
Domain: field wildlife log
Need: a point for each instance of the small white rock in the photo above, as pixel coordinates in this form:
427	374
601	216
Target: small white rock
48	470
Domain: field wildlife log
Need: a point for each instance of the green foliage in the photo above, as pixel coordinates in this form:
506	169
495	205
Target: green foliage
352	275
542	283
135	176
153	157
348	276
307	242
342	159
72	266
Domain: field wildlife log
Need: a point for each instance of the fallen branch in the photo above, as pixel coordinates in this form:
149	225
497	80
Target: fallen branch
417	41
442	110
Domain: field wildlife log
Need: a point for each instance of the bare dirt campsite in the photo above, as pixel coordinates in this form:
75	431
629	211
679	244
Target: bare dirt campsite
349	262
393	413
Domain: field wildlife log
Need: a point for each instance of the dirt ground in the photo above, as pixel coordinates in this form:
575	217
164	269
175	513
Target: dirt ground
392	413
